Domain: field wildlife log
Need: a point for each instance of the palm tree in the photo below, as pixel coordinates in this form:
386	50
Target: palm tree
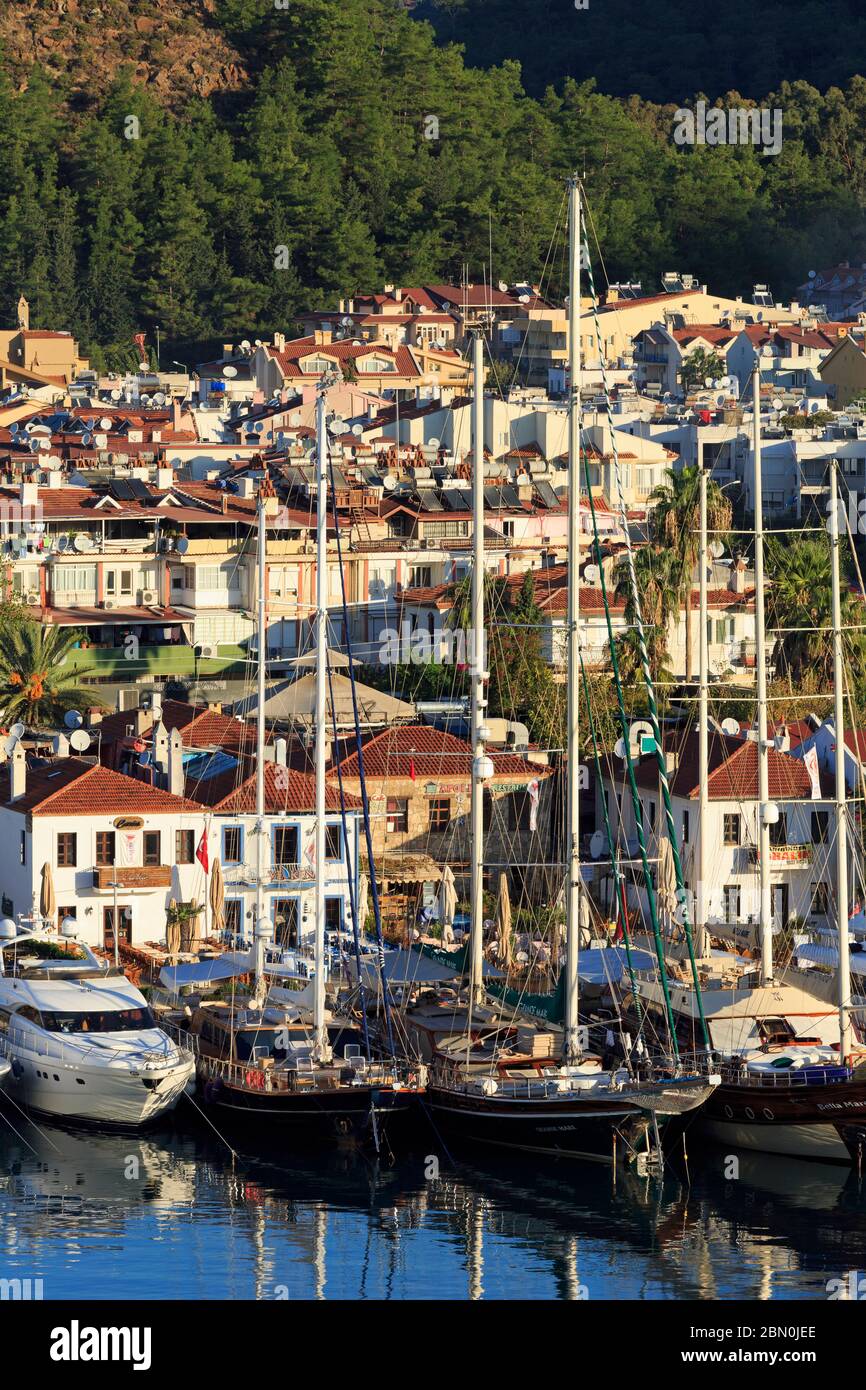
656	573
698	365
800	607
675	523
37	685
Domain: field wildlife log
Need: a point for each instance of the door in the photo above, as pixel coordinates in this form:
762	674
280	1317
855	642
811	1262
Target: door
124	916
779	902
286	922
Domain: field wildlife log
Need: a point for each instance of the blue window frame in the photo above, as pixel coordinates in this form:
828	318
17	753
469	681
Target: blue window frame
233	844
286	843
334	843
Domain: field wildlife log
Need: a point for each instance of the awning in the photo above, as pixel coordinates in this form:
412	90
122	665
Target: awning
204	972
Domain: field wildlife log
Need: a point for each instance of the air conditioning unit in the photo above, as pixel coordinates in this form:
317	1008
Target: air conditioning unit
32	600
209	650
109	603
149	596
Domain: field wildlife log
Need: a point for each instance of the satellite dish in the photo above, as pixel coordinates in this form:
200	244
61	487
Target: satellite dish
596	845
337	425
144	760
181	545
524	298
433	443
40	429
246	345
814	407
87	440
777	403
62	542
106	422
591	574
759	318
230	371
80	740
716	549
16	733
347	322
145	400
116	393
619	749
357	431
159	398
638	732
83	542
802	407
720	400
44	443
389	482
33	445
73	719
812	274
143	366
730	726
708	381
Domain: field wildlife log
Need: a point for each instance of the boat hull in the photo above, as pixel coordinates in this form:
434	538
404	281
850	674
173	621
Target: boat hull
811	1121
567	1127
113	1096
332	1113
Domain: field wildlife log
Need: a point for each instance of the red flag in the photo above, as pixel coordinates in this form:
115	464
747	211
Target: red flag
201	852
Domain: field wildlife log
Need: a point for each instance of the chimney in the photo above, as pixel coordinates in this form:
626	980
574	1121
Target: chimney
737	580
29	495
175	763
281	751
322	337
143	720
54	478
279	341
61	746
164	478
160	748
175	413
228	349
17	773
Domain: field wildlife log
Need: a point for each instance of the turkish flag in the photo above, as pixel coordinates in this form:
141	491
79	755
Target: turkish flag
201	852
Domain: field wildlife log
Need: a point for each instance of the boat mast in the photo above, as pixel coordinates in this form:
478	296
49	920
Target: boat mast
766	915
572	909
321	1046
844	969
702	945
477	673
260	923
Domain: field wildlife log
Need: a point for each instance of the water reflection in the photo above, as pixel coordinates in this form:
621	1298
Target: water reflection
174	1215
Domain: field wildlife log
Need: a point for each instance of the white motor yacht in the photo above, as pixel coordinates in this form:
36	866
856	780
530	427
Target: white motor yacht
82	1043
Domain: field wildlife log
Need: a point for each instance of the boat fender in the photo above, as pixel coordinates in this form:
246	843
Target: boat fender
255	1080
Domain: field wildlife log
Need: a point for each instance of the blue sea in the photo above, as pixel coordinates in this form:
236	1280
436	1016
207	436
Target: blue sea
176	1214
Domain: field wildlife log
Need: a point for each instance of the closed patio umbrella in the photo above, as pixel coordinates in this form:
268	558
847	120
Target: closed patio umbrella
172	930
447	903
217	899
667	878
503	920
47	896
361	900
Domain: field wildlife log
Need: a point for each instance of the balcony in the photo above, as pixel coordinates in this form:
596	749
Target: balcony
132	879
295	874
171	659
785	856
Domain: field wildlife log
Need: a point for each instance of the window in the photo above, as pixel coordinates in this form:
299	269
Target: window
397	815
285	844
820	900
440	812
104	847
184	846
731	828
779	831
652	815
233	912
22	848
333	914
124	924
126	582
66	849
7	907
850	464
72	579
732	902
820	823
232	844
334	842
724	631
686	827
152	847
508	529
210	577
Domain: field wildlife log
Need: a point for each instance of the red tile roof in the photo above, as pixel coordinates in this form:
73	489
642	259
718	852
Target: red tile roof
429	752
72	787
286	789
288	358
733	775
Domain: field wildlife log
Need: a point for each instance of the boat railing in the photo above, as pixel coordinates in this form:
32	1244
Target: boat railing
787	1078
252	1076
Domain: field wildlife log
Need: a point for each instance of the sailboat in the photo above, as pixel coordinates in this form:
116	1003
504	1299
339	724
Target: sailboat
271	1056
793	1072
521	1087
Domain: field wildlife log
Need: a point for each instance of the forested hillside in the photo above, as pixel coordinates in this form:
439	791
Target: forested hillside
307	131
